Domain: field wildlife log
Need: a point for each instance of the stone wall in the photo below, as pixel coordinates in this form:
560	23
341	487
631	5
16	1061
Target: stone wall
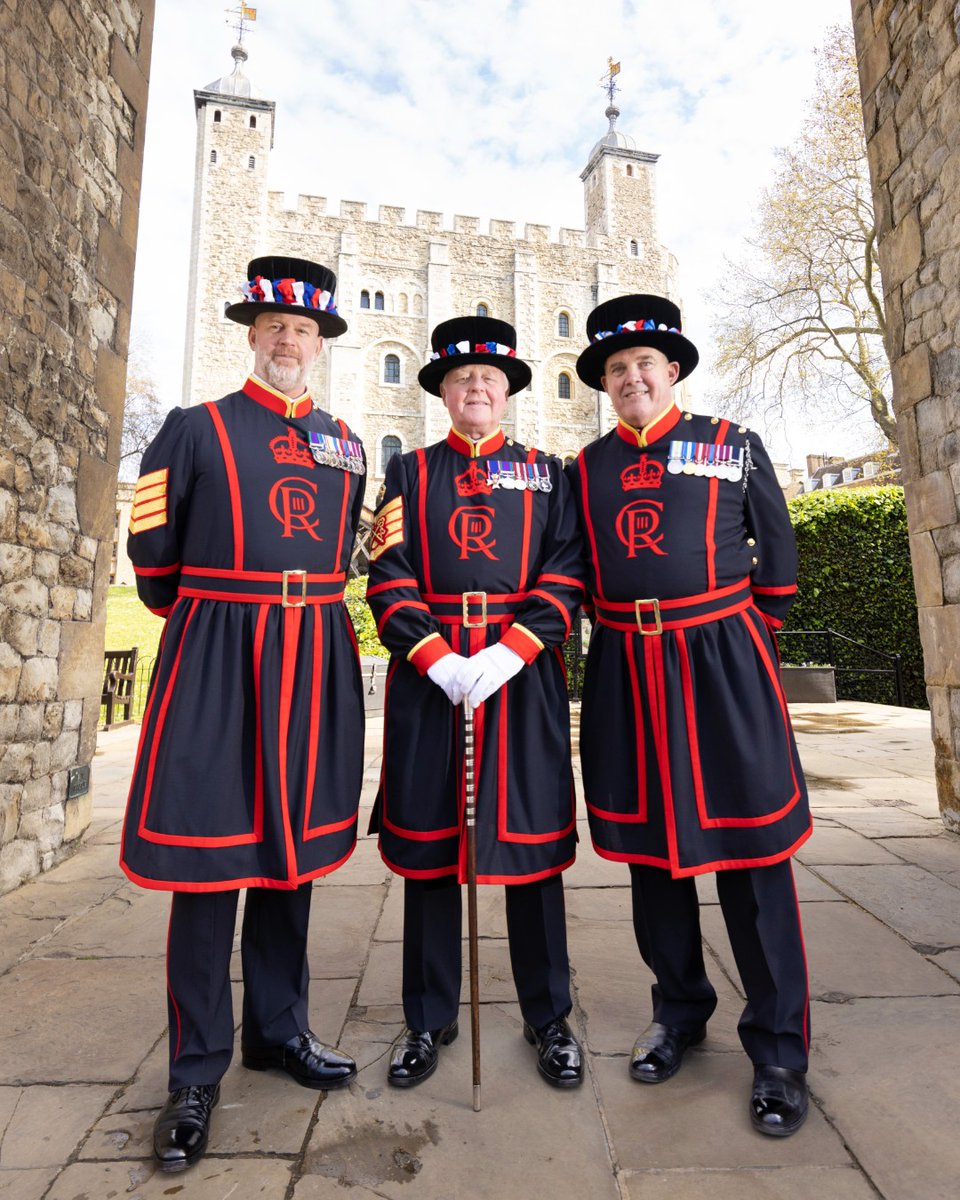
73	91
910	82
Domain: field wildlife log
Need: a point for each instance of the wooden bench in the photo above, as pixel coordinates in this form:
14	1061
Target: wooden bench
119	672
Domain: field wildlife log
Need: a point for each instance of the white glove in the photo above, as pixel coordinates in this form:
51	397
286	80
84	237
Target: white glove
446	673
487	671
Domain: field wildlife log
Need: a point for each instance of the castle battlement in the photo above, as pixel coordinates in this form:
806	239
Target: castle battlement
427	221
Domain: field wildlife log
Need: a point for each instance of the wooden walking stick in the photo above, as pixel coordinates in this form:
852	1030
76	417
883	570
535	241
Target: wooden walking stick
471	824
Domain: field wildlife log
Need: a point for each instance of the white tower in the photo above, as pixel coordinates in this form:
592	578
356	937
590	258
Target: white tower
234	139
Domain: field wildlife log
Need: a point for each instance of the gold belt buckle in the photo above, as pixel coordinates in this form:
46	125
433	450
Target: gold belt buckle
481	598
657	623
285	598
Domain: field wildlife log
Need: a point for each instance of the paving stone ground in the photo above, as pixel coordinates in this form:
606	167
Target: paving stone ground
83	1039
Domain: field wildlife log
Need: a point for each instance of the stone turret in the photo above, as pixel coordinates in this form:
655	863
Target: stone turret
234	139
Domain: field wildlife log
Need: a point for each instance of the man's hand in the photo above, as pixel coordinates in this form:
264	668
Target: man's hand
446	673
487	671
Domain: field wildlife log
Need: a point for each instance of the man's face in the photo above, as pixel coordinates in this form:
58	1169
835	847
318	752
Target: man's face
475	397
284	347
638	381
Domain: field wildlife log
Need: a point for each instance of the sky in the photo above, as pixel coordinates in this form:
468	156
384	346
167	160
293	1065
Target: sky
498	103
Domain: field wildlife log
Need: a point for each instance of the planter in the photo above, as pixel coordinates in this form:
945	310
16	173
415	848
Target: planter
809	685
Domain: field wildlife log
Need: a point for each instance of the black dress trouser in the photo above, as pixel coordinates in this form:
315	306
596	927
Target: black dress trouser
432	961
762	917
273	953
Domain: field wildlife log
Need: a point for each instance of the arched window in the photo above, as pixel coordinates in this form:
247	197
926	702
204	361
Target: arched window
364	299
378	301
389	447
563	325
563	386
253	125
402	302
251	162
213	156
216	116
629	169
482	310
418	305
634	248
391	368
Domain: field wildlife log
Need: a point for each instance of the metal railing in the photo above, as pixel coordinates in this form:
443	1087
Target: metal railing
830	648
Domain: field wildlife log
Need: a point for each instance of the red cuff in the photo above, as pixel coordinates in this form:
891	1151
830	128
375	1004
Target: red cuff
521	641
427	652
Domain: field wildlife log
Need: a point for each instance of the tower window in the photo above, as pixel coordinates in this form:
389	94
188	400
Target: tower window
634	248
378	301
563	325
389	448
364	299
391	369
563	386
629	169
213	156
482	310
251	162
217	117
253	125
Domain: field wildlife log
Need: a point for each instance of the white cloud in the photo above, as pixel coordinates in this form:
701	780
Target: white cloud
497	104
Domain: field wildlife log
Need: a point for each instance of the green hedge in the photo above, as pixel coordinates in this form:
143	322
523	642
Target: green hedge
855	577
355	599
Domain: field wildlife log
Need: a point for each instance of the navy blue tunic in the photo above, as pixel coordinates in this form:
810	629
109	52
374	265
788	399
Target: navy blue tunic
250	760
689	760
462	558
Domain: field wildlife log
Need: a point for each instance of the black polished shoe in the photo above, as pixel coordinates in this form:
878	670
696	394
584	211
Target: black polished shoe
181	1129
658	1051
778	1104
414	1055
304	1059
559	1056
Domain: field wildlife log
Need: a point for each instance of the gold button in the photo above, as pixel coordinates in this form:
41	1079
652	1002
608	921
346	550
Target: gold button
688	416
755	560
751	541
714	420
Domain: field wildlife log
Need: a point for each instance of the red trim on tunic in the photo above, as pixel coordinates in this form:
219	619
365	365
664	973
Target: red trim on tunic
316	682
656	692
233	483
347	476
160	612
261	391
726	864
546	577
171	839
774	591
527	518
588	521
232	885
258	638
553	600
253	597
693	743
393	608
171	570
292	618
390	583
506	880
471	449
422	514
522	643
711	545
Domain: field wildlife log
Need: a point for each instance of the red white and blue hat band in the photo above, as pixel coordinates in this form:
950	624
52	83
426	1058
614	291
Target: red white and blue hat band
295	292
640	325
457	348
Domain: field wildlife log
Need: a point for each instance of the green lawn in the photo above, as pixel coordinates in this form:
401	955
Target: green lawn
130	622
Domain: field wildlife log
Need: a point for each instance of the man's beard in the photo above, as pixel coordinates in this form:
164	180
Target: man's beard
284	379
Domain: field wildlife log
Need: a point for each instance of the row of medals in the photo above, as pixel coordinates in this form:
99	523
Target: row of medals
519	476
705	458
336	452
